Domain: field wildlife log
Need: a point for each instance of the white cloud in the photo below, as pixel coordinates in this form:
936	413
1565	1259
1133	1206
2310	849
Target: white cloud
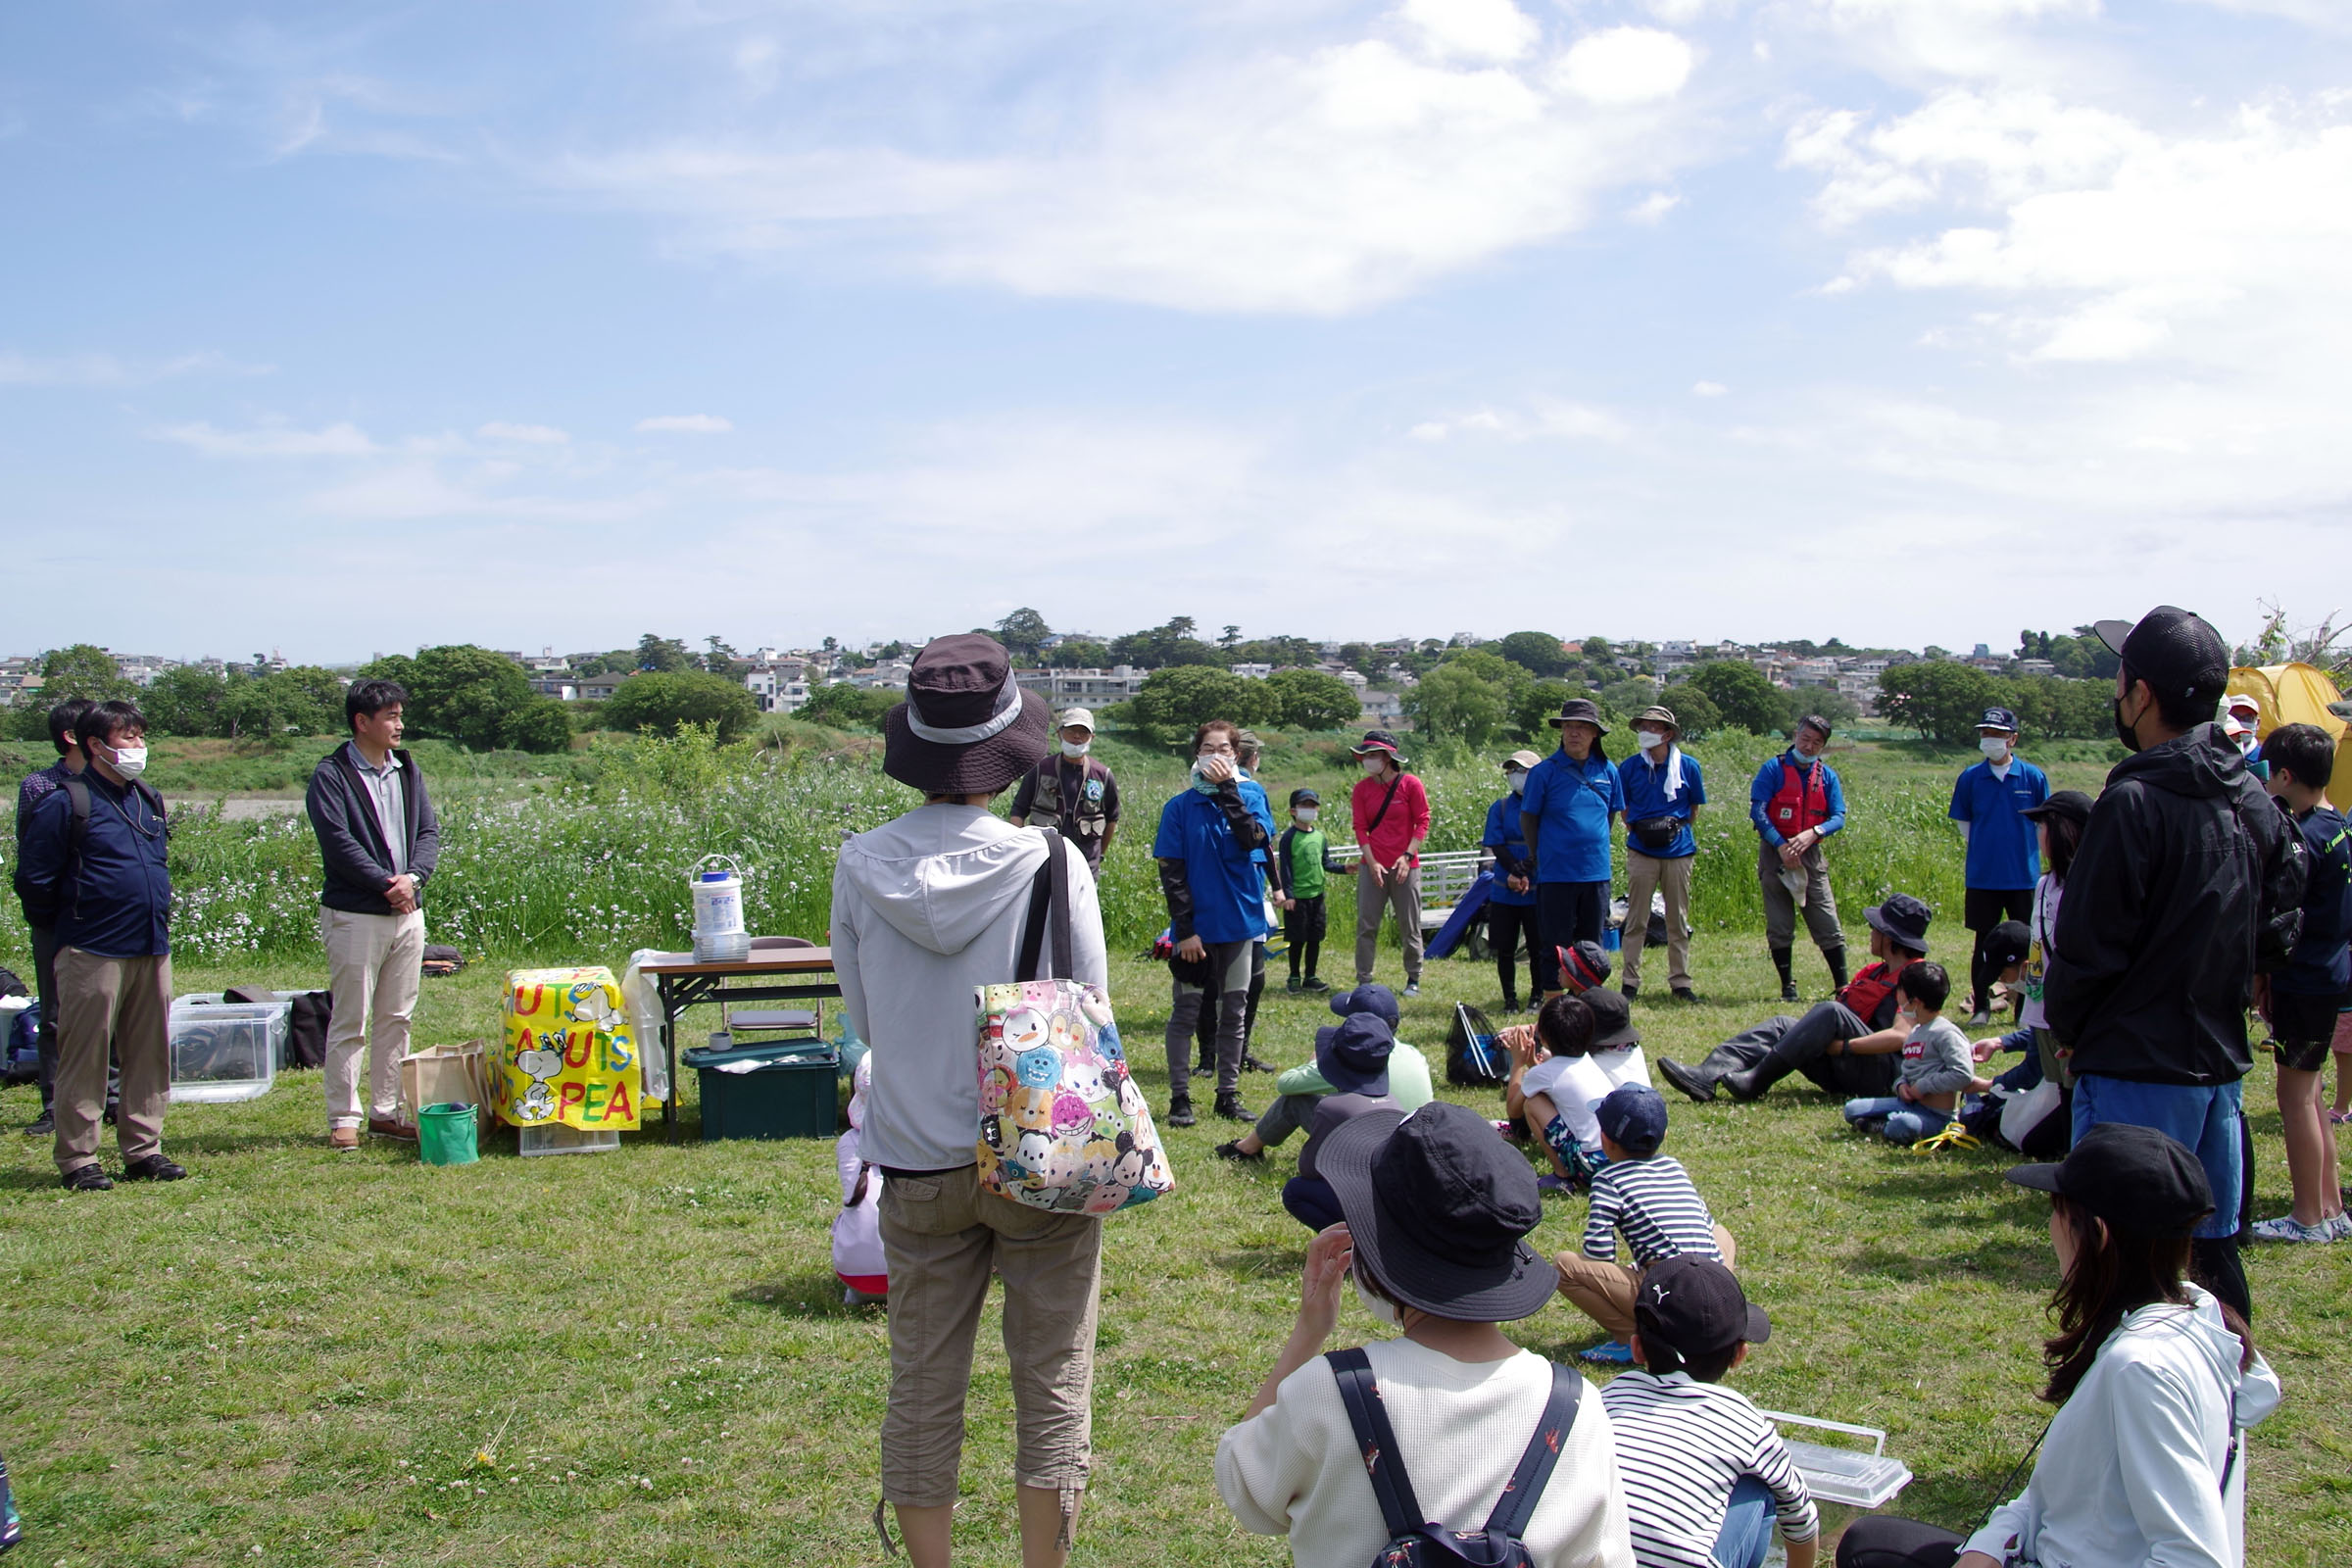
759	63
1494	30
1654	207
1549	420
1942	40
106	369
1620	65
687	424
271	439
1708	389
1963	148
545	435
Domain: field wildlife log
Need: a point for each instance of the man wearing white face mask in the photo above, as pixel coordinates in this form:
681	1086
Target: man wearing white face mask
96	855
1663	792
1073	792
2004	859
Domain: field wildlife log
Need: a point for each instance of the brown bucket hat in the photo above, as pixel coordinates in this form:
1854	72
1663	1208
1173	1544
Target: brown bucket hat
966	727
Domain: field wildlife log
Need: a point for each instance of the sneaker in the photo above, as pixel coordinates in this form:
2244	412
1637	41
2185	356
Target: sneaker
2340	1227
1312	983
1788	991
1685	993
1250	1063
1412	988
1612	1353
1180	1113
852	1295
1231	1109
42	1126
1553	1184
153	1168
2341	1118
1294	986
1235	1151
2285	1229
86	1179
1979	1019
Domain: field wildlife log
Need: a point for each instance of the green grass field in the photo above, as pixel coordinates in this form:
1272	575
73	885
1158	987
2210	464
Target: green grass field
641	1357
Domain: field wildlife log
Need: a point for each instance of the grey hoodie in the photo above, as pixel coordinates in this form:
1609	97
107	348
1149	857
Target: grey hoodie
926	910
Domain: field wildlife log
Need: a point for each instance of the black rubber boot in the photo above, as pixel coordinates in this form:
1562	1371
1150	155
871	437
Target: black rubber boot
1836	962
1753	1084
1699	1082
1780	961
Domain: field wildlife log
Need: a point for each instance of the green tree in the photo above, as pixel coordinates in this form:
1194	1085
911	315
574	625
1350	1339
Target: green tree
720	658
1741	695
1940	699
1309	700
82	670
1079	653
1023	634
1174	701
665	704
842	705
1693	710
543	726
461	693
1164	647
184	701
1533	706
1455	700
667	655
1535	652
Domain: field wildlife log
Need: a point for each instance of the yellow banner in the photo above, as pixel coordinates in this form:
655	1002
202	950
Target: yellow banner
569	1055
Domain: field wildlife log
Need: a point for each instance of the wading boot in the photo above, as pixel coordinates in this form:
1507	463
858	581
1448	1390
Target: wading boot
1700	1081
1836	962
1755	1081
1780	959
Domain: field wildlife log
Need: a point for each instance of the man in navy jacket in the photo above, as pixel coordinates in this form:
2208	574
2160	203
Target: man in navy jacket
379	840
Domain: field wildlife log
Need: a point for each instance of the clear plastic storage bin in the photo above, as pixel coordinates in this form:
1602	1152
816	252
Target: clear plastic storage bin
224	1050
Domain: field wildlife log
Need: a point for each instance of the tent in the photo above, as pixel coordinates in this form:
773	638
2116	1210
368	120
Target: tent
2299	694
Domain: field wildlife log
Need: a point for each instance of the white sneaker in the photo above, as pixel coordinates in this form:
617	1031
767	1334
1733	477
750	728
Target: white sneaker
2285	1228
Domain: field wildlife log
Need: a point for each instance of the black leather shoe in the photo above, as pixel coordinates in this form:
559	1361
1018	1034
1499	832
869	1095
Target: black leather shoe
86	1179
1180	1113
153	1168
1230	1107
1250	1063
42	1126
1685	993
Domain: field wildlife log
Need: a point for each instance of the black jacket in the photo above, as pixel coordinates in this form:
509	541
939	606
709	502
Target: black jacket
2188	883
350	842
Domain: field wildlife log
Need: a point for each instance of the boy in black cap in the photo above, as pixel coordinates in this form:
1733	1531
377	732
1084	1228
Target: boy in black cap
1647	1197
1302	862
1438	1214
1704	1473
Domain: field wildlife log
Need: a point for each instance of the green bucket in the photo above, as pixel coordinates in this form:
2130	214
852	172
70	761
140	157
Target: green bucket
445	1134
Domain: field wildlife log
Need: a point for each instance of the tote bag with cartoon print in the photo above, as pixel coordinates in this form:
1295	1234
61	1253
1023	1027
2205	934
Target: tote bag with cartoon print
1062	1125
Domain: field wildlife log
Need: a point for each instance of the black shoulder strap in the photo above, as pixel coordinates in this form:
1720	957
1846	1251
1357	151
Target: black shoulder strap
1517	1505
1377	816
1376	1440
1049	906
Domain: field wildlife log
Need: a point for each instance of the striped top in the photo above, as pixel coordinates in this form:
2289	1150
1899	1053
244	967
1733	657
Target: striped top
1652	1201
1682	1446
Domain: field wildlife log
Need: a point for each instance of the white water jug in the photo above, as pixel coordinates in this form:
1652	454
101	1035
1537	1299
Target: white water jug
718	933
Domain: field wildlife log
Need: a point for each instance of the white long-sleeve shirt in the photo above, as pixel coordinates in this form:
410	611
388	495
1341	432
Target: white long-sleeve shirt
1294	1469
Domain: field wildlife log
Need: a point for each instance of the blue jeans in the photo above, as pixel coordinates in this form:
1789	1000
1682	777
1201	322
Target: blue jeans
2201	1117
1310	1201
1907	1121
1747	1533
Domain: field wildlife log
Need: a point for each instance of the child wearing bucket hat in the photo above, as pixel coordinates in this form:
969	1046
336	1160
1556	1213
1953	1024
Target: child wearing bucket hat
2154	1379
1438	1212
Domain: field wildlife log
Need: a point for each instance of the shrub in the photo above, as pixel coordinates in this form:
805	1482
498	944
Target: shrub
1741	695
845	707
667	702
1309	700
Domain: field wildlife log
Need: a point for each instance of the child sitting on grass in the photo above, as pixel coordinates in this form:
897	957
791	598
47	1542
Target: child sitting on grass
1937	1064
857	1260
1647	1197
1704	1474
1554	1087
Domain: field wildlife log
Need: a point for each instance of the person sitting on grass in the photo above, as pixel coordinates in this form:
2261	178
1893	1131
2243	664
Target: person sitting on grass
1438	1214
1616	1043
1937	1065
1554	1087
1845	1046
1354	1055
1303	1087
1705	1474
1647	1197
2301	1002
2154	1378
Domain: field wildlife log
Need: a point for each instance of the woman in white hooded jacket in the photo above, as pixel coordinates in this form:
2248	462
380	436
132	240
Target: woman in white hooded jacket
2154	1379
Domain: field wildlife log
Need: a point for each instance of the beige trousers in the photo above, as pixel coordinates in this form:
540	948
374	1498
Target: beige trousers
1402	895
1645	875
1605	1290
942	1237
126	1004
374	964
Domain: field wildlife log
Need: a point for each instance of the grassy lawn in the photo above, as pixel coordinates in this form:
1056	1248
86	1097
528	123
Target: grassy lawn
642	1359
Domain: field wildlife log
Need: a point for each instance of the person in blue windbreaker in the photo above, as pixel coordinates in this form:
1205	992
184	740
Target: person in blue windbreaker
1511	903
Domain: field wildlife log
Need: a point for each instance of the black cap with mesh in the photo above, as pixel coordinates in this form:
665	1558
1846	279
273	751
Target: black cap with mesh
2174	650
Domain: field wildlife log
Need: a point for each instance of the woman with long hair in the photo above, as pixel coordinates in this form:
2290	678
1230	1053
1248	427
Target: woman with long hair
2059	821
2154	1378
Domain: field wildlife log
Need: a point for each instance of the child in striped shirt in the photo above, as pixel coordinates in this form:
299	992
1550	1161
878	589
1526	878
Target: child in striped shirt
1645	1196
1704	1474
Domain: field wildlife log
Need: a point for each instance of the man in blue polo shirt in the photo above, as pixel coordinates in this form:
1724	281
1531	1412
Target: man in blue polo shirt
1663	792
1211	848
1570	807
2004	859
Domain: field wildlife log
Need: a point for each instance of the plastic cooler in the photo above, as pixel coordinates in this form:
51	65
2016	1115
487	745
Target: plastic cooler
222	1051
774	1089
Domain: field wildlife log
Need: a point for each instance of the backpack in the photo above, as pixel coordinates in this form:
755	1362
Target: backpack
1472	1057
43	908
1417	1542
307	1023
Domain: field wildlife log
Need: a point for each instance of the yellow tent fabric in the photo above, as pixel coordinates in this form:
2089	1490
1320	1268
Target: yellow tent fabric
2299	694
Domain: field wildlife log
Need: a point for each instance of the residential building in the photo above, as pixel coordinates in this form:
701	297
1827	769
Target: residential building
1254	671
780	687
1082	688
599	688
1381	708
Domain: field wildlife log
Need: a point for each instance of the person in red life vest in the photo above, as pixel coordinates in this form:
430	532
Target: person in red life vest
1391	811
1851	1045
1796	801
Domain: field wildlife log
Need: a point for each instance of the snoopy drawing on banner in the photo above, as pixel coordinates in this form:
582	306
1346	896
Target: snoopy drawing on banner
540	1063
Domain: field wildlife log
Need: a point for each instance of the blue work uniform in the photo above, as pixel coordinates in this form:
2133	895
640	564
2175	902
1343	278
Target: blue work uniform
2003	850
1571	803
1227	881
1504	837
1645	784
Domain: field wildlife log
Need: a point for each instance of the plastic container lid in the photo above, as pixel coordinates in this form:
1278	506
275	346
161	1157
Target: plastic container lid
751	1057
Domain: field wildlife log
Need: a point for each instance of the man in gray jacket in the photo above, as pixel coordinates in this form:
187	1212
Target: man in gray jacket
926	909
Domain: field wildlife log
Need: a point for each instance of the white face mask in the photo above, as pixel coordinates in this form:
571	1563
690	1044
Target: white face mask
1518	783
131	760
1076	748
1374	764
1650	739
1306	814
1995	746
1386	1313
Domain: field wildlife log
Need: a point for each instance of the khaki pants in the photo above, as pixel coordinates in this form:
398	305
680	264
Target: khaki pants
123	1005
1605	1290
942	1236
374	963
1780	907
1645	875
1400	894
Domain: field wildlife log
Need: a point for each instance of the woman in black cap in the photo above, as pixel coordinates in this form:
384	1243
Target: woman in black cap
1438	1214
2154	1379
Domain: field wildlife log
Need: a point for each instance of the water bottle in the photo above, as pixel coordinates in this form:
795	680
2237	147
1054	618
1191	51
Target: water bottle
718	933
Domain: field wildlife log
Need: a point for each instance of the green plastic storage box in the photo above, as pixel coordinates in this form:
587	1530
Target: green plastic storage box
776	1088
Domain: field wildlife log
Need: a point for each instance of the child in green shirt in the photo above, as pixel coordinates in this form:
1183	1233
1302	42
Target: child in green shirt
1301	861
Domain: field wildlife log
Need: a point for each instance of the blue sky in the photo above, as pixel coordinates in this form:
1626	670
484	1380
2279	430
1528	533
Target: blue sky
354	328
